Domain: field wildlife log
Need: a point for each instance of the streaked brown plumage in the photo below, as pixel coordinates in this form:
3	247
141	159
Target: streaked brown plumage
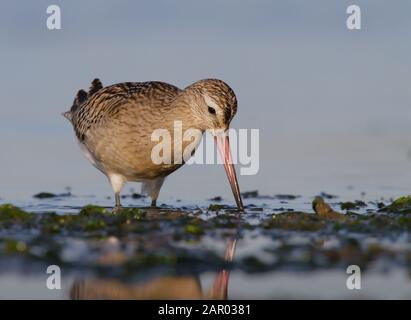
114	125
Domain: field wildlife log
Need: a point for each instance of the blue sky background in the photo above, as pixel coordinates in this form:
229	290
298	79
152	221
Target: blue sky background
333	106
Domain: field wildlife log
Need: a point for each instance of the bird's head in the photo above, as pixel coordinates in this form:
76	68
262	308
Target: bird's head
213	105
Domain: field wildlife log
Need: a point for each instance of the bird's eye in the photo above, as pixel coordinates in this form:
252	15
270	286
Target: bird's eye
211	110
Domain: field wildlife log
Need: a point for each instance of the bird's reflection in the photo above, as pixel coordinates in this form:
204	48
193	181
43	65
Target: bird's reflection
163	287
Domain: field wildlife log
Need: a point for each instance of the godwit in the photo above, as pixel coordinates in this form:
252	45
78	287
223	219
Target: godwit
114	127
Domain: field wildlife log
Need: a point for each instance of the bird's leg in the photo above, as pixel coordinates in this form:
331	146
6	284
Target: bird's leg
154	203
116	182
117	207
152	188
154	194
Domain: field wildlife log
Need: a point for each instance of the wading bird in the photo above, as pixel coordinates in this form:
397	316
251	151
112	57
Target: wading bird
114	127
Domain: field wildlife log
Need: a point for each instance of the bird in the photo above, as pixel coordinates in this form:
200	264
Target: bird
114	126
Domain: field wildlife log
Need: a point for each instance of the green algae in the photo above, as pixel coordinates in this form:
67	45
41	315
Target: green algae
131	213
92	218
400	205
93	210
8	212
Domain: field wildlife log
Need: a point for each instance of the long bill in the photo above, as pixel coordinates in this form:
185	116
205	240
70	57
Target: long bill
223	144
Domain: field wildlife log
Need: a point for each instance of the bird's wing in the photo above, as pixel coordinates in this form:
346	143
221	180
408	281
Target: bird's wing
106	103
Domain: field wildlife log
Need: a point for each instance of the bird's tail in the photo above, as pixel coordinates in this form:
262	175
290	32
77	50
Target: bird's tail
68	115
82	96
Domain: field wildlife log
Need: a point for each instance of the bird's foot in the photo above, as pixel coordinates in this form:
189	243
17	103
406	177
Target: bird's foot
154	203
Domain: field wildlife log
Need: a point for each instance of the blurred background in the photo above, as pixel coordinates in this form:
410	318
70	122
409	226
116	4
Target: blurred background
332	105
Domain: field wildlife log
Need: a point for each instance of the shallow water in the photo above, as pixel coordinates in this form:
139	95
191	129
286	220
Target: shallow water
158	256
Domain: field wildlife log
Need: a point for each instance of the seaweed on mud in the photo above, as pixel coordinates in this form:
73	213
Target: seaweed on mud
349	205
296	221
326	219
147	238
93	219
217	207
93	210
401	205
12	214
